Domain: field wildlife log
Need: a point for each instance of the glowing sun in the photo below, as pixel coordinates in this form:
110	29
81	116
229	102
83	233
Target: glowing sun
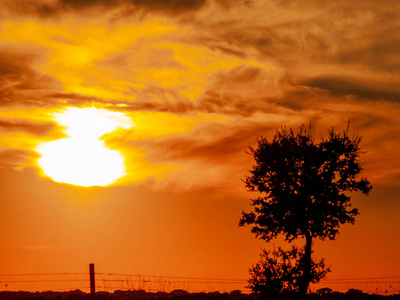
82	158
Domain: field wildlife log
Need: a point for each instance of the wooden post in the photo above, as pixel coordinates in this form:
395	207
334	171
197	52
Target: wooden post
92	285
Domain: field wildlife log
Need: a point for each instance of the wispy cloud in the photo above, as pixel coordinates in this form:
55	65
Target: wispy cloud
256	64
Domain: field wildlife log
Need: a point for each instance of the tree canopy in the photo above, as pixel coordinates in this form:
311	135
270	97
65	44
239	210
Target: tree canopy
303	183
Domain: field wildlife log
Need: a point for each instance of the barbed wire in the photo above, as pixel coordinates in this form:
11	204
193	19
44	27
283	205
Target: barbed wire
162	283
173	277
44	280
361	278
184	277
176	281
43	274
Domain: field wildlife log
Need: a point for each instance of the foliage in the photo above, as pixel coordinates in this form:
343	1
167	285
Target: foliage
279	272
303	183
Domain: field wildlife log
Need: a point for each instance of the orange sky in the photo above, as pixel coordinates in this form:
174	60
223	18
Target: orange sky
190	84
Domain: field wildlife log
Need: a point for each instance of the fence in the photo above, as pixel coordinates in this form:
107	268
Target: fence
110	282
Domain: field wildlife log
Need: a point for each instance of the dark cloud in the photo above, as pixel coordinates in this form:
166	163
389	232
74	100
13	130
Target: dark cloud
300	98
14	66
83	4
20	83
75	99
169	6
96	6
74	5
338	87
25	126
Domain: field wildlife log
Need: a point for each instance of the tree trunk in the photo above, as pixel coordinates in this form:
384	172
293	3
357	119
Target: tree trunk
305	280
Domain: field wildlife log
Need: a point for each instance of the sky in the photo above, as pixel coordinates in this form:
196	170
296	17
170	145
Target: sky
160	100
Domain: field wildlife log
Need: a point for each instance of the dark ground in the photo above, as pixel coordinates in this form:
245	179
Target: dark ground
179	295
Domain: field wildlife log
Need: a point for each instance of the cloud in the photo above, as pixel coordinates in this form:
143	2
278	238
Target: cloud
168	6
13	158
20	82
211	144
25	126
340	87
53	8
262	64
302	37
214	153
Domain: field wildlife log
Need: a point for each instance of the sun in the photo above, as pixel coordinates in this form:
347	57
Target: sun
82	158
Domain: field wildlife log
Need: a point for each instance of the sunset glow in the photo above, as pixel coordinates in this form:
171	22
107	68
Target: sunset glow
125	127
83	158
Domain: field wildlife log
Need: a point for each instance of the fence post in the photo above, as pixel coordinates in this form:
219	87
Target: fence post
92	283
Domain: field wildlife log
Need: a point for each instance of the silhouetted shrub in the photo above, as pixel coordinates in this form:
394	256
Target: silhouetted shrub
279	272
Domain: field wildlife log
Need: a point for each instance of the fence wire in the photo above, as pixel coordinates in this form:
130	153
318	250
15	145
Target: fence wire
110	282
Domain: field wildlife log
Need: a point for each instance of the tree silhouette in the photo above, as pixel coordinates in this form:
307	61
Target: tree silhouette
303	185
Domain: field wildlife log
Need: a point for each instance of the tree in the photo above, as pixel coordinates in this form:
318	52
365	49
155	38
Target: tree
302	184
